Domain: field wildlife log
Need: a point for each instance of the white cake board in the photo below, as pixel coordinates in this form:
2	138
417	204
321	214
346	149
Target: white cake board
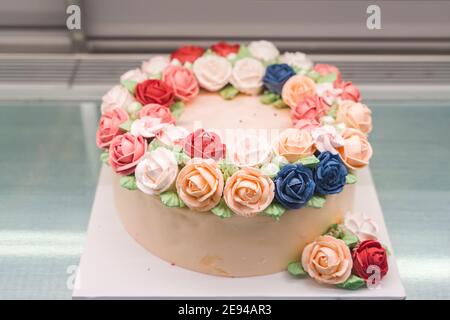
113	265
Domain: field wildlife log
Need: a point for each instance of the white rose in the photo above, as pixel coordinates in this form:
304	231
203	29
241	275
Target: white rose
365	228
117	97
247	76
298	60
155	64
172	135
263	50
156	171
251	151
326	138
135	75
327	91
147	127
212	72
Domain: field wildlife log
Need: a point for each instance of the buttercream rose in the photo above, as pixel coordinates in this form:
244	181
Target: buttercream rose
155	65
329	174
117	97
294	144
247	76
356	151
182	81
326	138
224	48
294	186
156	171
296	89
325	69
297	60
187	54
154	91
204	144
135	75
276	75
310	107
212	72
125	152
109	126
362	226
307	124
251	151
148	127
355	115
327	260
263	50
248	192
172	136
328	92
200	184
154	110
370	253
349	91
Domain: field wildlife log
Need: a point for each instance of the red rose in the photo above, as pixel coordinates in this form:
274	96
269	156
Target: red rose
311	107
125	152
154	91
187	54
204	144
157	111
369	253
349	91
324	69
224	49
109	126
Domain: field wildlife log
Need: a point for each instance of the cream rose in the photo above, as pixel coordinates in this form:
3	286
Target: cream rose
200	184
148	127
135	75
355	115
247	76
248	192
294	144
327	260
155	65
263	50
156	171
296	89
117	97
356	151
364	227
326	138
298	60
251	151
172	136
212	72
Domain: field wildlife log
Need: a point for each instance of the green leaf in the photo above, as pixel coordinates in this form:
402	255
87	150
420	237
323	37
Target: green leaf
317	202
309	161
155	144
177	109
157	76
335	230
130	85
133	109
274	210
243	52
128	182
222	210
332	112
352	283
126	126
104	156
314	75
227	168
330	77
295	268
270	169
171	199
350	239
229	92
351	178
182	157
269	97
279	104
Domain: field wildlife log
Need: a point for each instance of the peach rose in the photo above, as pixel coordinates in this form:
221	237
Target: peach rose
327	260
296	89
356	151
182	81
294	144
355	115
248	192
200	184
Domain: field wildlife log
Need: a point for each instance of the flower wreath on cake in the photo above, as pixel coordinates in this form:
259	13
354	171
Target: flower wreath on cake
316	157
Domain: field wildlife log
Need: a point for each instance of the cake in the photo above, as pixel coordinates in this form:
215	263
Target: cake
240	161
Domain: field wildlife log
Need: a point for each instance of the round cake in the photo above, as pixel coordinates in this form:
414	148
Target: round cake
239	161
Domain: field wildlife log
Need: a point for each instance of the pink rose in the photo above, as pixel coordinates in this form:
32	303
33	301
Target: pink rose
125	152
307	124
355	115
349	91
109	126
356	151
182	81
204	144
324	69
311	107
155	110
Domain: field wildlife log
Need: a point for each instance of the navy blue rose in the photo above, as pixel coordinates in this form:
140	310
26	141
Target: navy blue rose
329	174
276	75
294	186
